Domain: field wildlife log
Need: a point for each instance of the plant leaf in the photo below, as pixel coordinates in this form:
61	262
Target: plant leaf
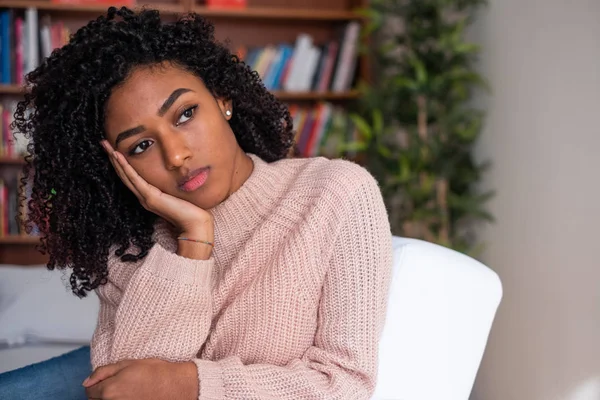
362	125
377	122
352	147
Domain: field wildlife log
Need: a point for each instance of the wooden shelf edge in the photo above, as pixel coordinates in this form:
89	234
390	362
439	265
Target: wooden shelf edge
19	239
349	95
167	8
12	160
316	96
12	89
277	13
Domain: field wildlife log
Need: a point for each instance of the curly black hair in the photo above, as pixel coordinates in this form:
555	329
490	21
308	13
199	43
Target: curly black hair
78	202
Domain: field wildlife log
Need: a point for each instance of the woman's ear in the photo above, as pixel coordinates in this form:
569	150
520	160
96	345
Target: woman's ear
226	108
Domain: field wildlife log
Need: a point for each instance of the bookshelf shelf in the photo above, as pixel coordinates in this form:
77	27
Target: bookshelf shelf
314	96
11	160
19	239
21	250
278	13
288	96
11	89
83	9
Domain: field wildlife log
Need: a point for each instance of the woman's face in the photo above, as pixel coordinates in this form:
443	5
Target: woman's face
176	135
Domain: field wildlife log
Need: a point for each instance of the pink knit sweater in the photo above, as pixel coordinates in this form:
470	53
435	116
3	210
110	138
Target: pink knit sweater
290	305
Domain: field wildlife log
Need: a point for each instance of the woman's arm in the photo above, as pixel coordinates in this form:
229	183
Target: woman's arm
166	297
143	307
342	363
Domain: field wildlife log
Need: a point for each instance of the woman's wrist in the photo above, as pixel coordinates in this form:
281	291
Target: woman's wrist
197	247
193	250
188	386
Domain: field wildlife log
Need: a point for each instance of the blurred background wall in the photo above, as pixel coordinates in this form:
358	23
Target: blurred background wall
542	58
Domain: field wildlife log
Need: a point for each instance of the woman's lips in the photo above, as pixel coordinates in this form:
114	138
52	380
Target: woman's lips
194	180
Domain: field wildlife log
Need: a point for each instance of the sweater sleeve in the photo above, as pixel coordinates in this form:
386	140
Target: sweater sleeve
166	297
342	363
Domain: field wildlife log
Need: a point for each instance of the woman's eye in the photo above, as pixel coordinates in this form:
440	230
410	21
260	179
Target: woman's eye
186	115
141	147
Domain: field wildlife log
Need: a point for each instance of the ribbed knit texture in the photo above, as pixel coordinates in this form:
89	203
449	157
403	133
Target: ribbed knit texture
290	305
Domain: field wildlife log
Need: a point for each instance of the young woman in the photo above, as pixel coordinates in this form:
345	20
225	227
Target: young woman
225	269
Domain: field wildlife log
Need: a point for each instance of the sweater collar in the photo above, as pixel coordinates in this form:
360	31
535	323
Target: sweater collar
246	207
241	212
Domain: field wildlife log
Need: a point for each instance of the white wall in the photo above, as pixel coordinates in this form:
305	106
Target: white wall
542	58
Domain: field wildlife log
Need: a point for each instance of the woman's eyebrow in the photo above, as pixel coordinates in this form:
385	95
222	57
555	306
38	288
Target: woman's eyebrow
161	112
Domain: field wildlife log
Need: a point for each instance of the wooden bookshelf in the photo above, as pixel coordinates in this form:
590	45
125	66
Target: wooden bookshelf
21	250
315	96
278	13
251	12
19	239
287	96
11	89
11	160
168	8
262	23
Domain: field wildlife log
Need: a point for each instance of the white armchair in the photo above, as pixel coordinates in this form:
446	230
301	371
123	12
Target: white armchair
440	312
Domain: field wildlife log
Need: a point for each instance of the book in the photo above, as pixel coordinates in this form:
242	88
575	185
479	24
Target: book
322	130
302	50
226	3
6	44
19	52
327	73
116	3
346	62
31	41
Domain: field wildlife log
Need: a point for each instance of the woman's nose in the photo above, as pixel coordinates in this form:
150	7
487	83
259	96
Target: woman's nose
175	150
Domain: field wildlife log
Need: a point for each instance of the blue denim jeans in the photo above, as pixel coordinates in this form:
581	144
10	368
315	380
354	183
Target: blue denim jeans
59	378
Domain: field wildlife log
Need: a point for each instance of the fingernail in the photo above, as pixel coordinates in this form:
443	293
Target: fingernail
86	381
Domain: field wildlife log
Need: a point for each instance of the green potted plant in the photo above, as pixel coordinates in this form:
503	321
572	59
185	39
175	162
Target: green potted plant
417	124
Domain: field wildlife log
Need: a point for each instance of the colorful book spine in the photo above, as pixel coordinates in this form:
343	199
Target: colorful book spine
322	130
19	52
346	63
7	140
5	59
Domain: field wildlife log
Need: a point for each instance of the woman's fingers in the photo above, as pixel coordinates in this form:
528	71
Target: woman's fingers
124	178
139	183
112	156
107	146
149	196
175	210
104	372
129	176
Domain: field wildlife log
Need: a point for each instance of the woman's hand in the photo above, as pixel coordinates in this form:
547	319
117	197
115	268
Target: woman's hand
150	379
191	220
